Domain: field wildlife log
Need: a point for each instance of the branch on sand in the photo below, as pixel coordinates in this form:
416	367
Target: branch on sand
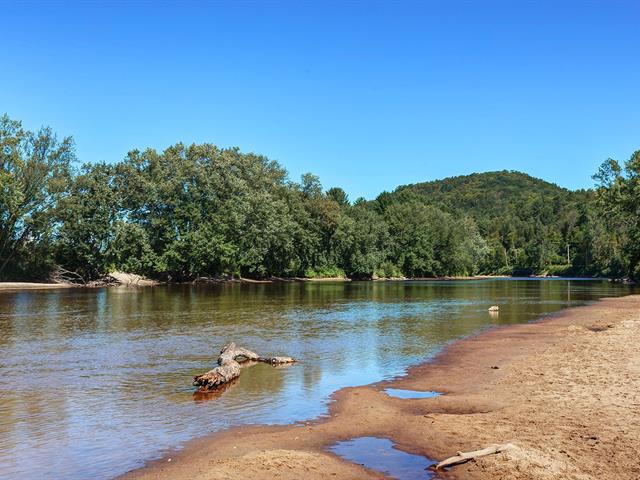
463	457
228	368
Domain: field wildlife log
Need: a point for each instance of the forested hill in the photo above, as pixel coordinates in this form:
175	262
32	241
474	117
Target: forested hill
525	223
485	194
195	211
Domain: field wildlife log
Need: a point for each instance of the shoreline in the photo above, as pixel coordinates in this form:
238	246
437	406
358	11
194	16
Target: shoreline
566	393
25	286
131	280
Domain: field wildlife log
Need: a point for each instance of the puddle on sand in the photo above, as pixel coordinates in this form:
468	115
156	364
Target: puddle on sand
395	392
379	454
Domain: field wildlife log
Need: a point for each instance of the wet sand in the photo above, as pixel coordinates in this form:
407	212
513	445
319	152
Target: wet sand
566	393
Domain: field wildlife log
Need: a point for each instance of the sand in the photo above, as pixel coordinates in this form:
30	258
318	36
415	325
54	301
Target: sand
566	393
118	279
19	286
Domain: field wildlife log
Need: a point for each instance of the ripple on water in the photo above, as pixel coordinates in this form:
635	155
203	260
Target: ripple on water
114	367
380	454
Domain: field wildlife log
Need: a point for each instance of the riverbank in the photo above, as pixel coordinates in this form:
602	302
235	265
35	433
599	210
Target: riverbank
23	286
117	279
565	391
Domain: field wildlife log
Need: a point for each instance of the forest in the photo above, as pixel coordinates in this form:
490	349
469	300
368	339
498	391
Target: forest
200	211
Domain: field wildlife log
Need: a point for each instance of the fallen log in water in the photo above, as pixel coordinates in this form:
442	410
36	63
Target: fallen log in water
463	457
229	366
208	395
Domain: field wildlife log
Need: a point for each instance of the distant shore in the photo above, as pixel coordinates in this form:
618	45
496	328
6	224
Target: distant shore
564	391
133	280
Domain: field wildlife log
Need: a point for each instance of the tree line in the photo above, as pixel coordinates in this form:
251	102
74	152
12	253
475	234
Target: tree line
195	211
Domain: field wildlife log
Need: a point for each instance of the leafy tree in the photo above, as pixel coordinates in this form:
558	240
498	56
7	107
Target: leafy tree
85	217
618	195
362	238
34	172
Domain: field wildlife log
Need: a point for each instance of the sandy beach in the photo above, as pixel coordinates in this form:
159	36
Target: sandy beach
565	391
21	286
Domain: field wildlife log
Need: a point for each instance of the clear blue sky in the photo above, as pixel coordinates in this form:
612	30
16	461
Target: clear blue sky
368	95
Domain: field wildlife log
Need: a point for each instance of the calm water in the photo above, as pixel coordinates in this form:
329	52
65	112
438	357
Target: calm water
399	393
93	383
381	455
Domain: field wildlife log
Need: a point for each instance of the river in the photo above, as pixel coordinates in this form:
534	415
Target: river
93	383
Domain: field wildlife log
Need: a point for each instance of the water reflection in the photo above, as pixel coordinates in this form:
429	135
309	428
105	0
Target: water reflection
94	382
381	455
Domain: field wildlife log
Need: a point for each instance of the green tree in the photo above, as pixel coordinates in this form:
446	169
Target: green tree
86	216
618	194
339	196
34	173
362	238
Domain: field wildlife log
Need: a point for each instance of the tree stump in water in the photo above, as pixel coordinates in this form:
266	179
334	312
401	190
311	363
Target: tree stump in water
229	366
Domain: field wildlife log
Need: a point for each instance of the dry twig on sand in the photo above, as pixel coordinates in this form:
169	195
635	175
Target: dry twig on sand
463	457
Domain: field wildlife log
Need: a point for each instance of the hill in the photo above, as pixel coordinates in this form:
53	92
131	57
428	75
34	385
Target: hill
486	193
525	221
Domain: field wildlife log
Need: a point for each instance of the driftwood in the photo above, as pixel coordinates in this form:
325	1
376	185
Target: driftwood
62	275
463	457
208	395
228	367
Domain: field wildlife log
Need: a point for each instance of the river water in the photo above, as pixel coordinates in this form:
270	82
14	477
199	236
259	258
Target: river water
95	382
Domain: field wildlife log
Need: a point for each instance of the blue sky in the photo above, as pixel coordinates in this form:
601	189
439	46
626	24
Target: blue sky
367	95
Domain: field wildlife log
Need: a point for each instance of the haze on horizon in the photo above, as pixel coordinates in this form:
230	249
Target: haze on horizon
367	96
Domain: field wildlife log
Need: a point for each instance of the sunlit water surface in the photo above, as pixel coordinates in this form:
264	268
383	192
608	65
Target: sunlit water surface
95	382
